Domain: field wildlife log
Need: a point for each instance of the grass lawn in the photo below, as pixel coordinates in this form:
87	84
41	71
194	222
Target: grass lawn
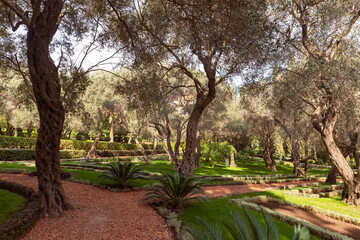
10	204
213	214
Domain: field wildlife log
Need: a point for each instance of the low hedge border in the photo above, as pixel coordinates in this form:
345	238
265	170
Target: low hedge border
30	143
319	231
254	177
317	192
25	220
29	154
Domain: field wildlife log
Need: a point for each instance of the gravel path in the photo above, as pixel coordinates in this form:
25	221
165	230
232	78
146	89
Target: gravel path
99	214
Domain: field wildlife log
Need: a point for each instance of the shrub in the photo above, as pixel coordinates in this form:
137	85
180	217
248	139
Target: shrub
175	190
23	222
30	143
245	227
122	173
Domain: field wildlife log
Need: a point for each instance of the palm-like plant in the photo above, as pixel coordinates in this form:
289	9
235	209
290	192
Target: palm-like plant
245	227
122	173
175	190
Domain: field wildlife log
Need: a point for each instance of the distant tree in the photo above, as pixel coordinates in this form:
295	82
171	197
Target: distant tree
221	37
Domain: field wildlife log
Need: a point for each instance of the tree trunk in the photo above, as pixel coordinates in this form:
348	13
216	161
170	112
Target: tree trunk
202	101
92	152
272	159
146	158
295	157
267	154
324	120
69	136
111	129
129	140
16	132
154	147
166	150
232	160
331	178
197	154
47	88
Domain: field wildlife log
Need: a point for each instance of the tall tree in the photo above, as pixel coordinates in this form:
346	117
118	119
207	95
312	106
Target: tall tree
220	37
322	32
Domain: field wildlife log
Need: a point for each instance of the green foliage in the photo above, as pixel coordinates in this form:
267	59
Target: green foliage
217	150
30	143
10	204
245	227
122	173
175	190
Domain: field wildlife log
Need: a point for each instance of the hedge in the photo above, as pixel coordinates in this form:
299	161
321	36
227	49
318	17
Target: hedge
30	143
29	154
25	220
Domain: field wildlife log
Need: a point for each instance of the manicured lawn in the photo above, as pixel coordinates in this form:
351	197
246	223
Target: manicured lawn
213	213
10	204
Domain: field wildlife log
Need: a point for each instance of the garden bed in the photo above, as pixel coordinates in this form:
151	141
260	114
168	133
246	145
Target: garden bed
318	221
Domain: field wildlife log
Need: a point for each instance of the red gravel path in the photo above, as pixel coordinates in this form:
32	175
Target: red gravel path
99	214
226	190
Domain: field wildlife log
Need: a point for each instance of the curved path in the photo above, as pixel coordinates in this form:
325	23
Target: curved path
99	214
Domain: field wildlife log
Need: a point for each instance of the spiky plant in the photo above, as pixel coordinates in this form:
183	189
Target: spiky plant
175	190
245	227
122	173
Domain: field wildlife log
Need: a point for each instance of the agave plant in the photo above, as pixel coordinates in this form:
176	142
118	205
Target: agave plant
175	190
245	227
122	173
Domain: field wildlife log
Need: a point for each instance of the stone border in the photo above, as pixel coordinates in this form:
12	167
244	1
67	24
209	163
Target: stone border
26	219
317	192
171	219
321	232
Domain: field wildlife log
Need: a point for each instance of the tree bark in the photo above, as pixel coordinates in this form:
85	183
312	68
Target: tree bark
324	120
129	140
47	88
69	136
146	158
197	154
331	178
111	129
203	99
267	154
15	132
232	160
92	152
154	147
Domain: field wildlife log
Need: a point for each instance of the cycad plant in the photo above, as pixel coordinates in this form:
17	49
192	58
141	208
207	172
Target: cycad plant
122	173
175	190
245	227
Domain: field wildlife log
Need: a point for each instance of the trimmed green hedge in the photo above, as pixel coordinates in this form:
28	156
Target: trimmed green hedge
30	143
25	220
29	154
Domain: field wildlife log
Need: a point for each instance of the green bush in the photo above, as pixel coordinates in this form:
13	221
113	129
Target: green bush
30	143
245	227
122	173
29	154
23	222
175	190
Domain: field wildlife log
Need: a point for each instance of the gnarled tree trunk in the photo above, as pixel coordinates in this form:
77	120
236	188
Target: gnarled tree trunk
203	99
92	152
142	149
154	146
324	120
46	86
29	130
